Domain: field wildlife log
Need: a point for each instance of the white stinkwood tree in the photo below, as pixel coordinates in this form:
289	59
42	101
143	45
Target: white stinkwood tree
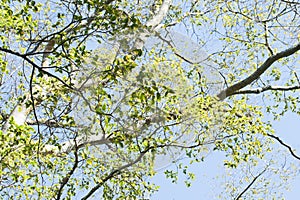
94	92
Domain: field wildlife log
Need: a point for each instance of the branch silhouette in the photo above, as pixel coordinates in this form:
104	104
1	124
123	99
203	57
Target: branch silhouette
284	144
231	90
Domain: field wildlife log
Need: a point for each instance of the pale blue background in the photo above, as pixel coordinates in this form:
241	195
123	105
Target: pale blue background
205	187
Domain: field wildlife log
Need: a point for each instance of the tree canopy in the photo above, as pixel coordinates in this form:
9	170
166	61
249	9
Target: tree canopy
96	95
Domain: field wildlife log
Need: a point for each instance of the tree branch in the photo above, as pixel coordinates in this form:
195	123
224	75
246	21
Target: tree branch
36	65
291	2
152	24
252	182
66	179
287	146
113	173
157	18
232	89
266	88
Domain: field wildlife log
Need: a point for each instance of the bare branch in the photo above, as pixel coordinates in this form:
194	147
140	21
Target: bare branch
266	39
254	76
157	18
291	2
267	88
113	173
175	50
287	146
252	182
65	180
297	77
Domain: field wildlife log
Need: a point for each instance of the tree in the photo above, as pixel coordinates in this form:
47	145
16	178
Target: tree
89	104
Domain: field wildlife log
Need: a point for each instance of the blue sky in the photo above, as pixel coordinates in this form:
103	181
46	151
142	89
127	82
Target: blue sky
206	185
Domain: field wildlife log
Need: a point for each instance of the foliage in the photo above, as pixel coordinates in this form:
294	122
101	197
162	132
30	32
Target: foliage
94	93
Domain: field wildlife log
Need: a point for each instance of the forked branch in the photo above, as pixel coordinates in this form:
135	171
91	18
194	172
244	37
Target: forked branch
231	90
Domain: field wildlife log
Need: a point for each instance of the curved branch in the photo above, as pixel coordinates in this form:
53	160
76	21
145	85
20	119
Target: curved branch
113	173
254	76
285	145
66	179
24	56
157	18
291	2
